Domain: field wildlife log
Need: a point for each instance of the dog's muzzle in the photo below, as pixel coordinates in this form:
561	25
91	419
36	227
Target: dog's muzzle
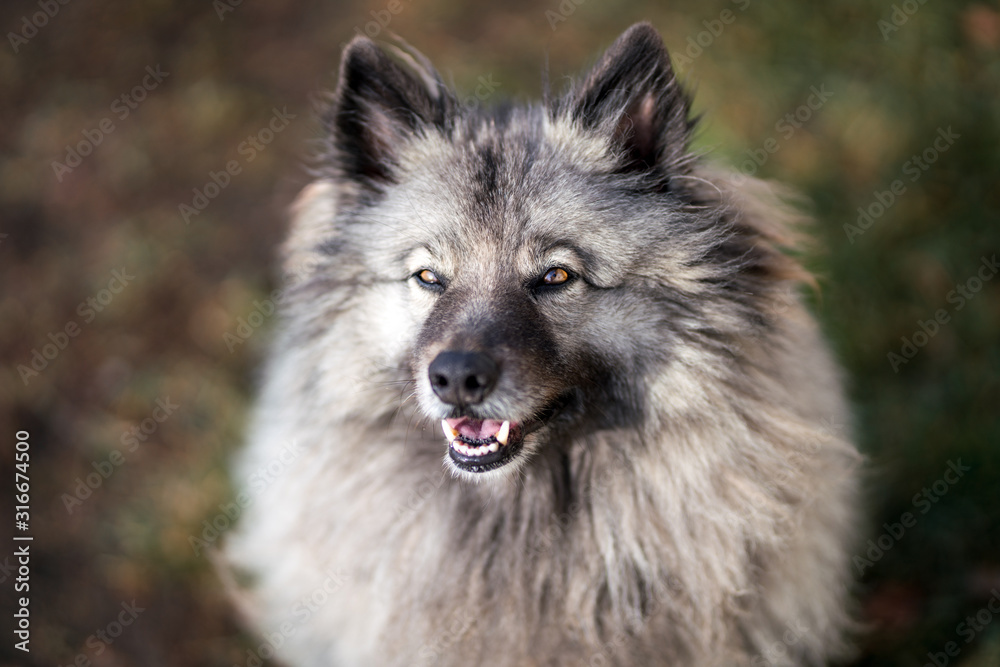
465	379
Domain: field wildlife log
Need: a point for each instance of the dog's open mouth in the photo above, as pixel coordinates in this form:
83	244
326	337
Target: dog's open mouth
478	445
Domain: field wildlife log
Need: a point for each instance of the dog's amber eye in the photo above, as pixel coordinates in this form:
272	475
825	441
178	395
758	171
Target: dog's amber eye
555	276
428	277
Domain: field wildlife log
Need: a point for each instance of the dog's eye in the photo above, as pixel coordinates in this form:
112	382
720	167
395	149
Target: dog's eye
555	276
429	279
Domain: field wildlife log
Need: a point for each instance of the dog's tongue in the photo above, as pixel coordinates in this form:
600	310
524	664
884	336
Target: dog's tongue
475	429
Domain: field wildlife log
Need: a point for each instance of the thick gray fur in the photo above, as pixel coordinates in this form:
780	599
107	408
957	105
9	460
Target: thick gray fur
693	504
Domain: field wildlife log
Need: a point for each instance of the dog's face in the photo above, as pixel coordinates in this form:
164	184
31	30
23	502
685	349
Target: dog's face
529	264
509	304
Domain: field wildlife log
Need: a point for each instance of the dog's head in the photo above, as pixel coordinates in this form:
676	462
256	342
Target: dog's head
530	267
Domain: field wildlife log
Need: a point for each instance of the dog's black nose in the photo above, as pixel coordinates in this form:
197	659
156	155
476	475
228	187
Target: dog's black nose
463	378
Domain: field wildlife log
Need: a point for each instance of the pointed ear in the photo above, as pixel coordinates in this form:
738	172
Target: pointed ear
633	96
379	105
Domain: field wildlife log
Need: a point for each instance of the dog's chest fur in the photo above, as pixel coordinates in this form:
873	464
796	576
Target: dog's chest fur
690	500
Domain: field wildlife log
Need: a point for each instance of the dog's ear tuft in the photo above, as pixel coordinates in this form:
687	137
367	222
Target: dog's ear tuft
633	95
378	106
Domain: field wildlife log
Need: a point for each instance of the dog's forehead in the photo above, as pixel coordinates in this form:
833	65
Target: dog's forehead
514	198
506	183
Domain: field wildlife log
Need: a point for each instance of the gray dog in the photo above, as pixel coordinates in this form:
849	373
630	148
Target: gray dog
544	393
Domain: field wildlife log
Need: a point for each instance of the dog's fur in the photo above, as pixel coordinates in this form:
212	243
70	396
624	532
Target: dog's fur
691	502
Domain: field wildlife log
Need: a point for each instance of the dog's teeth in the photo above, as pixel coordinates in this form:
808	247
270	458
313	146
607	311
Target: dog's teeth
503	433
475	450
449	432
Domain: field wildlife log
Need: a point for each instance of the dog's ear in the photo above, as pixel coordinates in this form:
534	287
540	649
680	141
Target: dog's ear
378	106
633	95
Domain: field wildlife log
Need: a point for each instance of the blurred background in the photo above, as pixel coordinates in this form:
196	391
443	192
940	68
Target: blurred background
149	150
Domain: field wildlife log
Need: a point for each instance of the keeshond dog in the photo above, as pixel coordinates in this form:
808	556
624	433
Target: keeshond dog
544	392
